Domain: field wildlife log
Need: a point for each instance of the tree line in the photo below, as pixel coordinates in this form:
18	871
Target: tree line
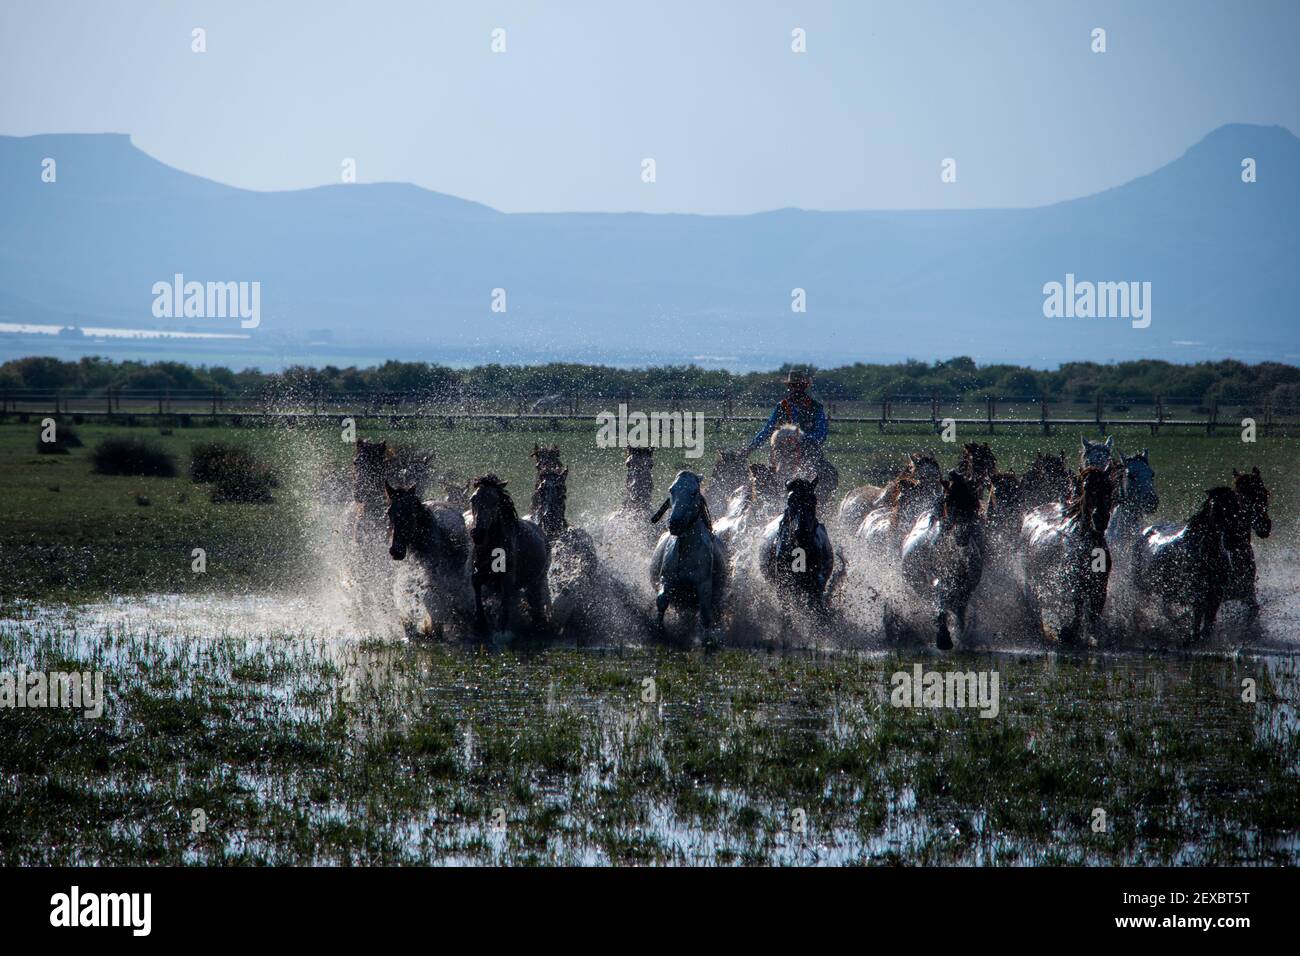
1227	382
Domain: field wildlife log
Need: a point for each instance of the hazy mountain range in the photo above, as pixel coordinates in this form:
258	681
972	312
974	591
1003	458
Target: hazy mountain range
394	270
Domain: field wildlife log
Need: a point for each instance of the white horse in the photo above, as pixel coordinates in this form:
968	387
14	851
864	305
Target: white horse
689	564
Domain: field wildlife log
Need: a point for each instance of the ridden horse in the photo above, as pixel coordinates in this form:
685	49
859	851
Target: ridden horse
689	565
1136	497
943	555
729	477
433	534
1192	564
510	554
978	465
1254	497
795	553
858	502
1066	561
792	457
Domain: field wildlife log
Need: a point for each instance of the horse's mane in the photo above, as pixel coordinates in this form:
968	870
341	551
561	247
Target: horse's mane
506	507
1250	485
960	502
784	433
897	490
977	458
1091	481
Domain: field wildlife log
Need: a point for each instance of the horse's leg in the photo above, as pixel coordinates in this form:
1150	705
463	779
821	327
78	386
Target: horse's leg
704	591
539	602
480	616
943	639
661	604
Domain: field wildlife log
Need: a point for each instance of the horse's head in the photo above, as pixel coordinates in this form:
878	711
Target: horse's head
1095	454
925	469
1225	516
1093	499
640	464
404	510
1250	486
546	458
801	502
978	463
687	503
489	504
1138	482
960	504
549	499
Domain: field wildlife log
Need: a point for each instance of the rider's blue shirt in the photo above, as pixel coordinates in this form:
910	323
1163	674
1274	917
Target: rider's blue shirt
808	415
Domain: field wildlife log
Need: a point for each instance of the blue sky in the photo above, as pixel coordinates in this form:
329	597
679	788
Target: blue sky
735	121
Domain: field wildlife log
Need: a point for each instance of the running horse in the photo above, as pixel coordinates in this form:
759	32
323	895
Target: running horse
729	477
916	490
433	534
689	565
943	556
978	465
1192	564
795	553
751	506
510	555
1136	497
626	523
1066	561
1242	581
862	499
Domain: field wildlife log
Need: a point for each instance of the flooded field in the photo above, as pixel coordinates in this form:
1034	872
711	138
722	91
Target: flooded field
255	729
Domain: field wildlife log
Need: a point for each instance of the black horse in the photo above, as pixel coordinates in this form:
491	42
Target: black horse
510	554
795	553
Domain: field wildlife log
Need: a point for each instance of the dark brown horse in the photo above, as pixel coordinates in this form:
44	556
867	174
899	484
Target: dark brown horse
1242	581
546	458
1192	565
795	553
978	465
1047	480
1066	560
510	555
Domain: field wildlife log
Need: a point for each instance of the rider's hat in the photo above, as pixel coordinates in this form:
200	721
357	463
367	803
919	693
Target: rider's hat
798	376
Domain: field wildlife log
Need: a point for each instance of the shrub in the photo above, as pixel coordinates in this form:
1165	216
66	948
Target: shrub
65	437
132	456
233	471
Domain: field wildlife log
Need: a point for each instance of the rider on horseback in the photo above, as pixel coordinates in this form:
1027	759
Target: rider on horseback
797	408
800	409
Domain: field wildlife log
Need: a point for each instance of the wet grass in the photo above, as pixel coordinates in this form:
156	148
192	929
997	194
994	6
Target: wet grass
310	751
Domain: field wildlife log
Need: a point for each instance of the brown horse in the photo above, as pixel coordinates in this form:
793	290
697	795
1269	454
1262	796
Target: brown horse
978	465
751	506
546	458
863	498
1047	480
510	554
1254	498
1192	565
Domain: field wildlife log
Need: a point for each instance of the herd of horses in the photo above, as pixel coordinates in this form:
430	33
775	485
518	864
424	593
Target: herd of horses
1061	535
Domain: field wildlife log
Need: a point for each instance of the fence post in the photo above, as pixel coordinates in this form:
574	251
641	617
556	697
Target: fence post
1160	414
1214	417
1042	415
989	407
1268	417
1101	426
884	412
934	411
